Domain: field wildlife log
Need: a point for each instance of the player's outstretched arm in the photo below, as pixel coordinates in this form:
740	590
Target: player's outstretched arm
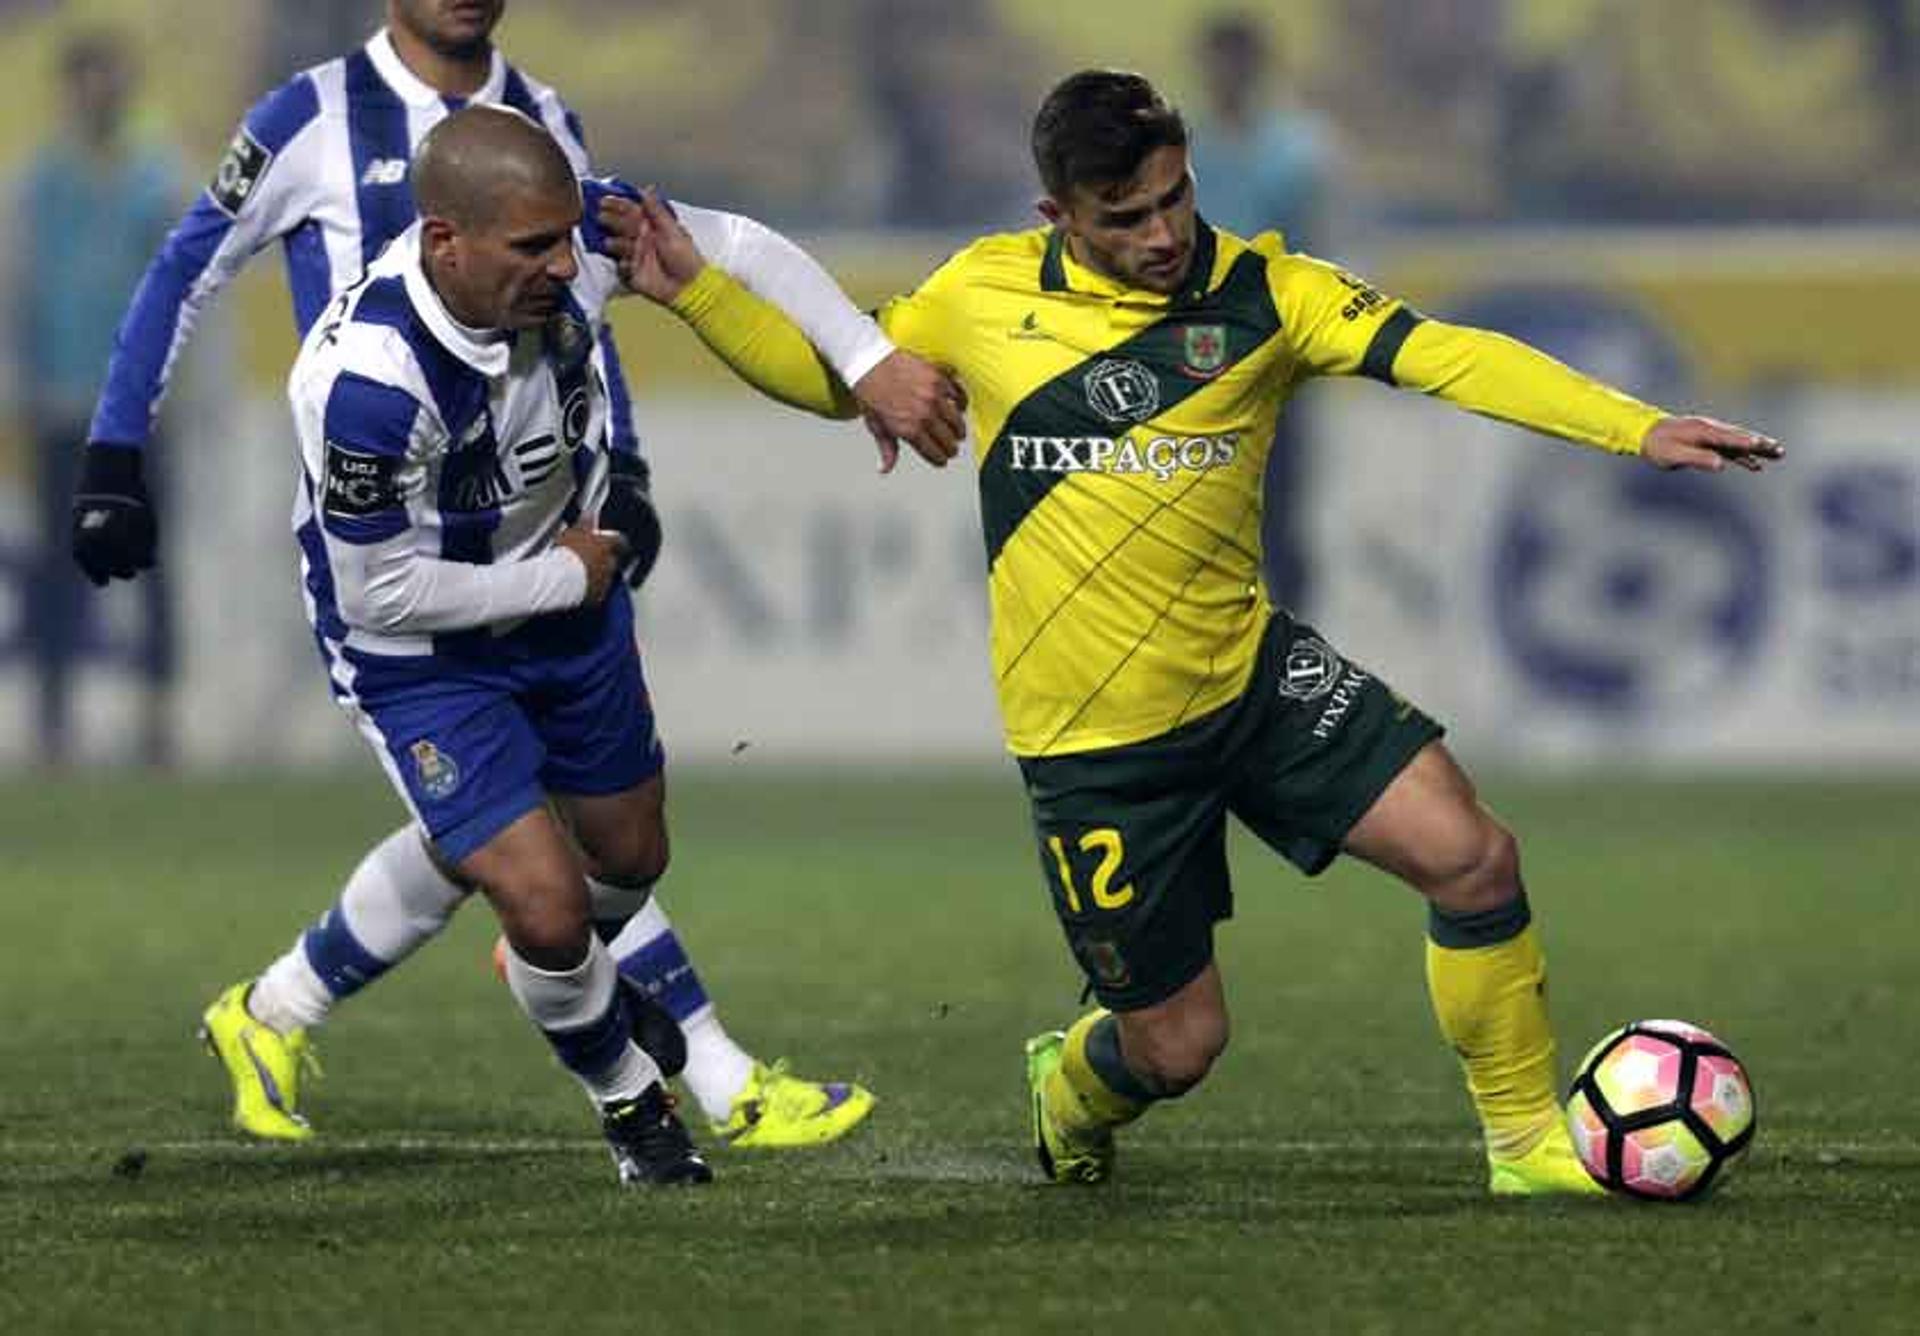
1707	445
900	396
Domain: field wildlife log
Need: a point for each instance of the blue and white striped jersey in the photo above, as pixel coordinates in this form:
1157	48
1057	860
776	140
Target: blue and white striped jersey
319	165
439	463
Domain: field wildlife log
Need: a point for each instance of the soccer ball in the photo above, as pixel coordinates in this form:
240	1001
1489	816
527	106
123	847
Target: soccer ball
1660	1110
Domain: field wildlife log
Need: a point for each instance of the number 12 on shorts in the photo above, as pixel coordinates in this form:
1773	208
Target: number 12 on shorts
1105	842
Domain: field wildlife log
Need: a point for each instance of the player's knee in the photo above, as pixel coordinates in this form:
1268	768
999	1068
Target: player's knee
636	859
1480	870
545	920
1173	1059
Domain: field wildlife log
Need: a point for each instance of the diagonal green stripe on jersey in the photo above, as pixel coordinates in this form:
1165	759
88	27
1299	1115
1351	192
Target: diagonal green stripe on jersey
1079	419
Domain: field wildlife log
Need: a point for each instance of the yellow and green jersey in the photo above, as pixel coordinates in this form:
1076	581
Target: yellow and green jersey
1121	437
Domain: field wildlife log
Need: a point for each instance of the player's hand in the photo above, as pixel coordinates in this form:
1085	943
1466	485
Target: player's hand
629	511
656	254
1708	446
115	535
601	552
907	398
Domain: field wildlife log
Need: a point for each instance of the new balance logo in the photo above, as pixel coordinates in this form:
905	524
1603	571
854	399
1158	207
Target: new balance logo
384	172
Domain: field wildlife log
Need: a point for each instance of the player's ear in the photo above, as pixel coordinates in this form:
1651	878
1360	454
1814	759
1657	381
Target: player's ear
1050	209
437	236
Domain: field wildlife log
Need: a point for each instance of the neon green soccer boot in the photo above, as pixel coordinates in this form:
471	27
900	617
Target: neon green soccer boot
1065	1157
780	1111
264	1066
1551	1168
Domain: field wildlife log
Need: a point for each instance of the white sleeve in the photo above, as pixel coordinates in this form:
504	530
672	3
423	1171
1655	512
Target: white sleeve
389	588
770	266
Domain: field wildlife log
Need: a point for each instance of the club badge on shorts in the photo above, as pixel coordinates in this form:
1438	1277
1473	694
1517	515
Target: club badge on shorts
439	773
1311	669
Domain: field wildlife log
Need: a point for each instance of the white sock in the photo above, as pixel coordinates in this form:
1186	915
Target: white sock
575	1010
717	1068
395	901
652	956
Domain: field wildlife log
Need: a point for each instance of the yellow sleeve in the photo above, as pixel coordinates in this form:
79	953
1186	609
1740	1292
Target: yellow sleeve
1339	324
760	345
1331	317
1503	378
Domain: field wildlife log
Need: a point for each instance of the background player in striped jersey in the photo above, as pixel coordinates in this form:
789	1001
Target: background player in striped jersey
1125	367
320	165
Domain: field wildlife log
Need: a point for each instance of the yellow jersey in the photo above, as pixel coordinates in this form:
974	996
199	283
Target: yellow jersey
1121	437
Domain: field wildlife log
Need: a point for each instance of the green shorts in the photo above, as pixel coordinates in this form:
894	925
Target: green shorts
1133	838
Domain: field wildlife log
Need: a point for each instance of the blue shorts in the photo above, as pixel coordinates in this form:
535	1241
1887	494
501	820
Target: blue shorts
479	734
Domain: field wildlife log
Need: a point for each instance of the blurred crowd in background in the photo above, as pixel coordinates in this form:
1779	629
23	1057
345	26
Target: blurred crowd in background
913	113
1331	120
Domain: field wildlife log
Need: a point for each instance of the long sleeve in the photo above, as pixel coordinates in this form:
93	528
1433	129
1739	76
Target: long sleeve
1339	324
768	265
761	345
1502	378
389	588
258	194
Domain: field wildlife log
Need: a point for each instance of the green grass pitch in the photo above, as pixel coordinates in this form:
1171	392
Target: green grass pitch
893	929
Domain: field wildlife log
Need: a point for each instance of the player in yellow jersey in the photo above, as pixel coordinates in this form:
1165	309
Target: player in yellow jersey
1124	367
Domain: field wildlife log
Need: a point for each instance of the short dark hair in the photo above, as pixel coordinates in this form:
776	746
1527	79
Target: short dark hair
1096	128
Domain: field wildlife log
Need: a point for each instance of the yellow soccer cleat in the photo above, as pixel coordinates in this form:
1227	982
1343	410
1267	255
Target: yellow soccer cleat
1551	1168
1065	1157
264	1065
780	1111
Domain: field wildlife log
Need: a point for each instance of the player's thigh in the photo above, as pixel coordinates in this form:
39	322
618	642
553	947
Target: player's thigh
457	747
589	705
1429	829
624	834
1132	844
1330	738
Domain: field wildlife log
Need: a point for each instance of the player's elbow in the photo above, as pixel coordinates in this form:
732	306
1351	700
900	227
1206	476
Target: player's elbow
383	603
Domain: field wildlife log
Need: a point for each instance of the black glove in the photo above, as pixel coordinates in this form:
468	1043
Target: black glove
114	533
628	511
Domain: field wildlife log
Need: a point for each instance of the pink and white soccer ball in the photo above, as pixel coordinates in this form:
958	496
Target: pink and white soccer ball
1660	1110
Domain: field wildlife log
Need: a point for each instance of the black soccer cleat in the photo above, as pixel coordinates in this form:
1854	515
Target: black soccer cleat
655	1030
650	1144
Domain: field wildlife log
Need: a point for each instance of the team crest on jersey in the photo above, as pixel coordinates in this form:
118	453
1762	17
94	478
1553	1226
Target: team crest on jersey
245	163
1311	670
1203	350
1122	390
438	772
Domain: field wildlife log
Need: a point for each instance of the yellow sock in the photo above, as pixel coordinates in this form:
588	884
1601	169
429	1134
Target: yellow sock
1491	1002
1078	1097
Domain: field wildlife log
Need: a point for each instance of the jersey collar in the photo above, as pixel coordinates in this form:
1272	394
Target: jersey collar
416	92
486	351
1060	272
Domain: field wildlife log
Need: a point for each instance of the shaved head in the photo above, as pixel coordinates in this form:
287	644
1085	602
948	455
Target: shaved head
498	207
479	158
